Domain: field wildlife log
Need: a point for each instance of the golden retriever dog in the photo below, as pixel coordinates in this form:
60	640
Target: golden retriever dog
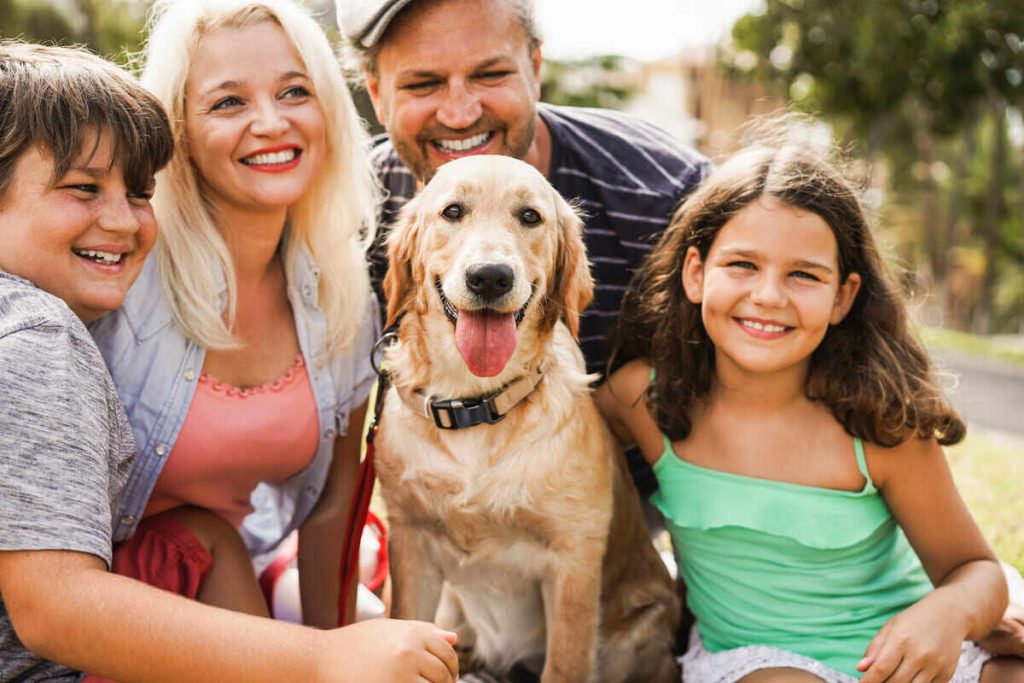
527	523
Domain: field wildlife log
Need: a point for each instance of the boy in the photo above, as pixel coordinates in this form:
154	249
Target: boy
80	143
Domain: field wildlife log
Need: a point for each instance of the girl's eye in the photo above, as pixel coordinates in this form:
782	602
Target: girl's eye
529	217
804	275
225	102
453	212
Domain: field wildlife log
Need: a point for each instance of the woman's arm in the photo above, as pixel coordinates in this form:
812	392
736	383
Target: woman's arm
970	590
322	534
67	608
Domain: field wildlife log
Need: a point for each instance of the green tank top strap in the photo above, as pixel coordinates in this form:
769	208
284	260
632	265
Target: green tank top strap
862	465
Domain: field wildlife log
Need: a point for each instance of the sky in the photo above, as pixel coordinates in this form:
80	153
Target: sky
645	30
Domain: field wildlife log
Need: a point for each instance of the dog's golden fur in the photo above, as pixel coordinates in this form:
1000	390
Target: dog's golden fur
531	524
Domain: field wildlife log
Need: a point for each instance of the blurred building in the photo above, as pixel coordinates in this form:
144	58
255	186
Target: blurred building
692	98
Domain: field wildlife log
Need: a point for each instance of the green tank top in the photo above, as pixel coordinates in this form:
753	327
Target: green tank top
812	570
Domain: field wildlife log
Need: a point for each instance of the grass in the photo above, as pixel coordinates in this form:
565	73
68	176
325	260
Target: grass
1005	347
989	472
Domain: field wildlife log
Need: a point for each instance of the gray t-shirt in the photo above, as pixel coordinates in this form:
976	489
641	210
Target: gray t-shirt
65	446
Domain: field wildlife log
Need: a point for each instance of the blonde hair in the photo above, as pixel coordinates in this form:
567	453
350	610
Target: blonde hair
336	218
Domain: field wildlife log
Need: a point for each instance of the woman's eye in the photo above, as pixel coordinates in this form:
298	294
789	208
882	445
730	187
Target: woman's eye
453	212
529	217
297	92
226	102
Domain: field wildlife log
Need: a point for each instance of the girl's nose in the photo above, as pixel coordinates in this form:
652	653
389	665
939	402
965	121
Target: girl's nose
768	291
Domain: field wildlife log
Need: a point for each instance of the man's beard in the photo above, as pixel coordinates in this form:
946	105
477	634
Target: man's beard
516	143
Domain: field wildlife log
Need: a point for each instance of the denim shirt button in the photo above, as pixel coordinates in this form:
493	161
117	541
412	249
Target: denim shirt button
161	449
311	491
190	374
329	434
127	520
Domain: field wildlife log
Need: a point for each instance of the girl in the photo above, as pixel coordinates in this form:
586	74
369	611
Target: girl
242	354
794	425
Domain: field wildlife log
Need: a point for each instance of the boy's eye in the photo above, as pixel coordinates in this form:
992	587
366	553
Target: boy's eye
82	188
742	264
226	102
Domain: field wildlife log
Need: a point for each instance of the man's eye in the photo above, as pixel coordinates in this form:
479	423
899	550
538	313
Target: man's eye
420	85
453	212
493	75
530	217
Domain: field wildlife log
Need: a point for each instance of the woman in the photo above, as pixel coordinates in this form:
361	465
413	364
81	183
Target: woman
242	352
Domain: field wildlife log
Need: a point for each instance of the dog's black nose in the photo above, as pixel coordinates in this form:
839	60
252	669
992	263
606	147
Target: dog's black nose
490	280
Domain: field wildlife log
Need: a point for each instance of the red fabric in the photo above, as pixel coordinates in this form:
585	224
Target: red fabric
165	554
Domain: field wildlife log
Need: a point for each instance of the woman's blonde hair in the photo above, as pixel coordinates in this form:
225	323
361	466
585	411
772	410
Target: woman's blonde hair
336	218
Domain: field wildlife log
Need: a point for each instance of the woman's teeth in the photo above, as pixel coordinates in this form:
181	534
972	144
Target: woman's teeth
454	146
104	257
269	158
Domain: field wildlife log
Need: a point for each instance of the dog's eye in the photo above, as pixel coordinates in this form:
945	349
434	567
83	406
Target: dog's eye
453	212
529	217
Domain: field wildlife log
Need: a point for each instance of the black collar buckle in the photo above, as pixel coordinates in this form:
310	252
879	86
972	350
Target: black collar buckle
460	413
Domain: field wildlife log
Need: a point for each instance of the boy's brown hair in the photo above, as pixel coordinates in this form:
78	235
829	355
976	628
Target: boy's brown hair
55	97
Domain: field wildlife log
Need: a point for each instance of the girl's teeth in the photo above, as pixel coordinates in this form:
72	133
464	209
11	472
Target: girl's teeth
463	145
104	257
282	157
762	327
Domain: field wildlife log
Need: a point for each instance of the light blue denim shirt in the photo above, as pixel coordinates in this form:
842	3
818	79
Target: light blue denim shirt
156	368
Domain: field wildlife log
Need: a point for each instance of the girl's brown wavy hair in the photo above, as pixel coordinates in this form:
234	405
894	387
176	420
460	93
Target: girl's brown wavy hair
870	370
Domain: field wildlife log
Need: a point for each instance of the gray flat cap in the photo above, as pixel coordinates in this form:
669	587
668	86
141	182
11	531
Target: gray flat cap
365	21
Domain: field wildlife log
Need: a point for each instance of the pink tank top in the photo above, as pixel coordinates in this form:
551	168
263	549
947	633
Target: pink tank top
232	439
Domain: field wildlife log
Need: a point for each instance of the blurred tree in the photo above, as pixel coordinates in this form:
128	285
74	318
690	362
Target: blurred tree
111	28
603	81
907	78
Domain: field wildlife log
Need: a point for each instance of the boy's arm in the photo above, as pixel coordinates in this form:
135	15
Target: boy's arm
322	534
66	607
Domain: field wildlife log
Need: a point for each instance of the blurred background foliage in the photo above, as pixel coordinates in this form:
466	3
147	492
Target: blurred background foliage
930	93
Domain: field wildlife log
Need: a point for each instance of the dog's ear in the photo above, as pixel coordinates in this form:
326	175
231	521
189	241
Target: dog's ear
399	280
573	286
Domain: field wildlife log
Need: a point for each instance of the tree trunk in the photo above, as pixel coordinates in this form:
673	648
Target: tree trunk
995	209
954	315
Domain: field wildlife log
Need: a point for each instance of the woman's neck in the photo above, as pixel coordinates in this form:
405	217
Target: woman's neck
252	238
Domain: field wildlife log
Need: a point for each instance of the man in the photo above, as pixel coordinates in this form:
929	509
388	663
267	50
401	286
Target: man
449	78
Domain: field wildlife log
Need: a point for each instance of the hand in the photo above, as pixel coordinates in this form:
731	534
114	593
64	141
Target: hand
1007	638
388	651
919	644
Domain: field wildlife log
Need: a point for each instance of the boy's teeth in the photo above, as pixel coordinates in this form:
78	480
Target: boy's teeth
463	145
282	157
763	327
105	257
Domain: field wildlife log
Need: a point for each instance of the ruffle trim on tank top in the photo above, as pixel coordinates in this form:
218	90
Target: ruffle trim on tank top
701	498
279	384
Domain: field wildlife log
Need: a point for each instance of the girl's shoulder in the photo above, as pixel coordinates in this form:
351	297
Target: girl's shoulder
622	400
906	458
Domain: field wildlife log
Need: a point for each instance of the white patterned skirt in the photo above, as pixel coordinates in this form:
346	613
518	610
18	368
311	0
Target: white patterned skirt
729	666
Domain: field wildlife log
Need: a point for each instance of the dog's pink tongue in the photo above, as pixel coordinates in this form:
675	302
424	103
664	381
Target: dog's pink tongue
486	340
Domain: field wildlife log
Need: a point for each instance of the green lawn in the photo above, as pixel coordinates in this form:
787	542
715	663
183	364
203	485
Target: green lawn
990	475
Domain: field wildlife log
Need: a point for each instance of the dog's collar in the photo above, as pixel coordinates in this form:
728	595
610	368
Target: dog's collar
462	413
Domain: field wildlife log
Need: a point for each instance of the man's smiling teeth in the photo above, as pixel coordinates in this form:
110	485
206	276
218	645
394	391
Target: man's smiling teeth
462	145
763	327
282	157
104	257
